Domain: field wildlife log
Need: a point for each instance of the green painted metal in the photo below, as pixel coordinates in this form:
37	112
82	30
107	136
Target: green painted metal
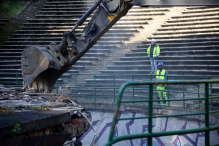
150	116
114	88
150	113
112	84
183	94
79	87
207	138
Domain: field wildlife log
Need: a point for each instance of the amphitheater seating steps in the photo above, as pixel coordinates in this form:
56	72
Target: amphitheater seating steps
2	22
58	16
188	42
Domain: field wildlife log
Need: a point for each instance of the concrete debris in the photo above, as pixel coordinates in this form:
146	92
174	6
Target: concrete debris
14	97
40	115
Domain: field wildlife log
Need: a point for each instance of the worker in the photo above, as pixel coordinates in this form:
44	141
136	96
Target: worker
161	76
153	52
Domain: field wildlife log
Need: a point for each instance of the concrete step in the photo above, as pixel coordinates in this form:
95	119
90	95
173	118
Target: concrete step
12	62
18	66
185	57
202	14
196	23
171	72
148	77
19	70
75	16
4	54
201	11
144	13
61	8
192	36
210	30
29	43
213	45
201	7
189	27
169	62
167	67
178	53
176	49
214	39
193	19
72	22
58	39
84	58
69	11
24	46
49	26
70	2
63	12
90	51
138	89
60	35
68	6
63	30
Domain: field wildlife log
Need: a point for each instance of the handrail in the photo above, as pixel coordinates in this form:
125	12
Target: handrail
150	133
92	88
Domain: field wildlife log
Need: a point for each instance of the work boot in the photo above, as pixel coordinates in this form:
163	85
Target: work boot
165	103
155	72
152	72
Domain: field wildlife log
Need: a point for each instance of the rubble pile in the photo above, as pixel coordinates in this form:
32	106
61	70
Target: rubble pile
18	99
42	117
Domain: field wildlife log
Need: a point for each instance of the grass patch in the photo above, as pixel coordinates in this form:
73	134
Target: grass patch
12	8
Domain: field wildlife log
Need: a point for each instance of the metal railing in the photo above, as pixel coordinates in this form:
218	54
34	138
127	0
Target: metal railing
105	87
206	111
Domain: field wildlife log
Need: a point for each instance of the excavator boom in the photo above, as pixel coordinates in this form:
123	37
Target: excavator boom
42	66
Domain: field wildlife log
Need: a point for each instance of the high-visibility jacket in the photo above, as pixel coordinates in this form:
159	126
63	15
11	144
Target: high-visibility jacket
156	51
161	75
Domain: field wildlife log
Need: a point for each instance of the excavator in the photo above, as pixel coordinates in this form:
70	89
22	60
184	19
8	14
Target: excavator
42	66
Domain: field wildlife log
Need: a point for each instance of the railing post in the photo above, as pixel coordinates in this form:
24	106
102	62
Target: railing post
95	88
76	94
198	94
207	138
183	94
150	114
211	94
114	86
168	91
133	90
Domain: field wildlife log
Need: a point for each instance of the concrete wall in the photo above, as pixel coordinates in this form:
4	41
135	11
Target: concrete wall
102	121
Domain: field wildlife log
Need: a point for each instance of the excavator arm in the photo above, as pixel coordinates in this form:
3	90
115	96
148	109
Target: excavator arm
42	66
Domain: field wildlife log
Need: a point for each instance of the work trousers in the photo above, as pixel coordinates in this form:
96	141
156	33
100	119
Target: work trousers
153	64
162	94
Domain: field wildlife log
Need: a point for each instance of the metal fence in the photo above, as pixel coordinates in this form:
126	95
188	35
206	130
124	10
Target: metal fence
206	111
105	87
197	92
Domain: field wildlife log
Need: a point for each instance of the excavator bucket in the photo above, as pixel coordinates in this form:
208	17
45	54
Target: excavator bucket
40	70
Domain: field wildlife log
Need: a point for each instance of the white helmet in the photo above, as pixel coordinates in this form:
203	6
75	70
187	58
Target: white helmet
153	40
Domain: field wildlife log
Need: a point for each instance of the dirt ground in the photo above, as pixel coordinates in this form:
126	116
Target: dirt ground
16	21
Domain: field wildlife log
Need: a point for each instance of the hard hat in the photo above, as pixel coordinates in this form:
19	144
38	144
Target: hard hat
160	64
153	40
